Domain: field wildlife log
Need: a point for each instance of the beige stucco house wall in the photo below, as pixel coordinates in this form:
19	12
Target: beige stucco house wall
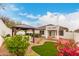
51	30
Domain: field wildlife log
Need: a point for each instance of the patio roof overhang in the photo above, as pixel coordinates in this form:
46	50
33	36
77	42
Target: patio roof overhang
23	27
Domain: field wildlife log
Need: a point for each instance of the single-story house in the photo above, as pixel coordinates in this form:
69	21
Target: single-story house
51	30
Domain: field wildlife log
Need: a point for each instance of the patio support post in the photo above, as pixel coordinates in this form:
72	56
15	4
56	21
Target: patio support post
25	32
33	35
57	32
12	31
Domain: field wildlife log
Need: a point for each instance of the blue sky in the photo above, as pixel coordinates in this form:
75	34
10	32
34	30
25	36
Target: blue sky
53	7
30	13
43	8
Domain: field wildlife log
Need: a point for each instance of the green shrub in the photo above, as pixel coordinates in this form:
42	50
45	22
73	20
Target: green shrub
36	35
17	44
8	35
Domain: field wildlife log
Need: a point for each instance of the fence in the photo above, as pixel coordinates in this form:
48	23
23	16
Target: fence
72	35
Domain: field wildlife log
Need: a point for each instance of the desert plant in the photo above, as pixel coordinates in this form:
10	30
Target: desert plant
16	45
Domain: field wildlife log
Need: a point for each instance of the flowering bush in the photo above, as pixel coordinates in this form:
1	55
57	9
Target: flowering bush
69	52
66	48
65	42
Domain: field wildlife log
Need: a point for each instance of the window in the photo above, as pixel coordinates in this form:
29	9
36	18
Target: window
61	33
42	32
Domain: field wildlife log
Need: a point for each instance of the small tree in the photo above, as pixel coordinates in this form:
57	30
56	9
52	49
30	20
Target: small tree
17	44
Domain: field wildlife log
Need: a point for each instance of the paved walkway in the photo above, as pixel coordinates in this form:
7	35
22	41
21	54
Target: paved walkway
4	51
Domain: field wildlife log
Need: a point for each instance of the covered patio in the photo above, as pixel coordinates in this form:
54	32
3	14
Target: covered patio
17	28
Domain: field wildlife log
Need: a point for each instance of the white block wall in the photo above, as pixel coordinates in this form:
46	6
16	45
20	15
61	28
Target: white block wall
68	35
76	37
71	35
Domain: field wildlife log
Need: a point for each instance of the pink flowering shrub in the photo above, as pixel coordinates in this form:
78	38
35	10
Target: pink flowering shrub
68	49
64	42
69	52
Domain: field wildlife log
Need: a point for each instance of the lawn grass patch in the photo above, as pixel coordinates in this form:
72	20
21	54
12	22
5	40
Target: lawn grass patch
47	49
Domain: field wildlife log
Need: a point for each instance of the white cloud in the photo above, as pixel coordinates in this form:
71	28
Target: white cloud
10	7
53	18
73	19
13	7
70	20
22	14
63	21
31	16
25	22
48	19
